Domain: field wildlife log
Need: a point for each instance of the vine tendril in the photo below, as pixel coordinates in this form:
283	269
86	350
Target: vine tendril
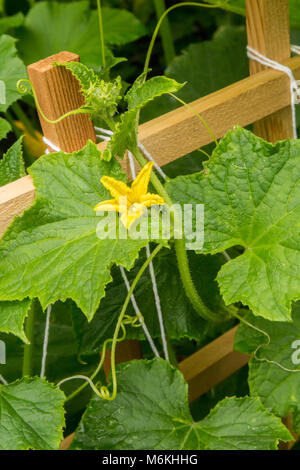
103	391
25	86
188	106
123	320
263	345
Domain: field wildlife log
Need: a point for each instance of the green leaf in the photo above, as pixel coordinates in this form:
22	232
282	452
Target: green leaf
62	357
100	97
13	21
279	390
12	70
238	6
5	128
52	252
151	412
32	415
12	165
141	93
206	67
180	320
76	30
250	192
12	314
12	317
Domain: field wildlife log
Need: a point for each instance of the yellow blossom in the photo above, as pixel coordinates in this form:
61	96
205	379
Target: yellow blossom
130	202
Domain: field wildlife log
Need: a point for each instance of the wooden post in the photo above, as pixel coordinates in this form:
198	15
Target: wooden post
58	93
268	33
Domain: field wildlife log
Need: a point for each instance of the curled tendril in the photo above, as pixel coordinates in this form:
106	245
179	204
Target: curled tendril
103	391
123	320
25	86
264	345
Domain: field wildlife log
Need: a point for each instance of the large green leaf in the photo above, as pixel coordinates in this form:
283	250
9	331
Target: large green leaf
151	412
52	252
32	415
12	165
4	128
278	389
250	193
76	30
180	320
206	67
12	69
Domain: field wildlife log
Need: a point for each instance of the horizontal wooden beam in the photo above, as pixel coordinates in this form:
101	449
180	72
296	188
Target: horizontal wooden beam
212	364
179	132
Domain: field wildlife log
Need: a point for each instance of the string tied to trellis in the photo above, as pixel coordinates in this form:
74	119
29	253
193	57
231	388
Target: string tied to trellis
294	87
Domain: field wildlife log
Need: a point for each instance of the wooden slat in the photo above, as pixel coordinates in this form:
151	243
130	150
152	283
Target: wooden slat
58	93
179	132
212	364
269	33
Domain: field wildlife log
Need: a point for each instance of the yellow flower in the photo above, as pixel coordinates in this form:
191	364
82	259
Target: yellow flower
129	202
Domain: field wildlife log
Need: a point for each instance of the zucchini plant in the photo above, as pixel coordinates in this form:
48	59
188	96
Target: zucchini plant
224	249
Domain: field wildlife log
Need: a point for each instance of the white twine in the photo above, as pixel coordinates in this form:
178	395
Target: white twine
295	49
46	341
105	133
295	92
51	145
2	379
138	313
48	314
153	279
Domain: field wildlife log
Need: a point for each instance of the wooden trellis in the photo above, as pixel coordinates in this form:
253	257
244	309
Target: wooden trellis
263	99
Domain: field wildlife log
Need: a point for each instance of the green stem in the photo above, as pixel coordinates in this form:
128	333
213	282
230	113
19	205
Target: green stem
165	32
100	19
123	311
154	36
189	286
28	348
182	258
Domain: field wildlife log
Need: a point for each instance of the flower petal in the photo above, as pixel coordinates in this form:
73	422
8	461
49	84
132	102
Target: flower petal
115	187
110	205
151	199
140	185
